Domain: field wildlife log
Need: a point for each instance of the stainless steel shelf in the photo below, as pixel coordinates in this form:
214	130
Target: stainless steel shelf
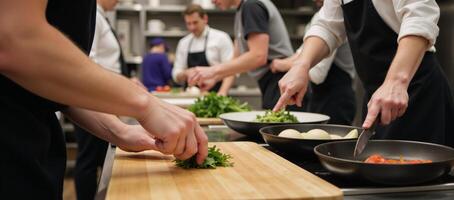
171	34
132	7
303	12
180	8
174	34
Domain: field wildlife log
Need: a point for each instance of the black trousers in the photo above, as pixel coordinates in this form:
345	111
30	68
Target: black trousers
90	158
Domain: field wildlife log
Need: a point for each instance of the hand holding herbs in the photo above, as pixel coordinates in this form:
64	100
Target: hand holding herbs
276	117
213	105
214	159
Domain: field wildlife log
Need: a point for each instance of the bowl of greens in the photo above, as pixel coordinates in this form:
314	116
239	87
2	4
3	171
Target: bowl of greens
208	108
249	123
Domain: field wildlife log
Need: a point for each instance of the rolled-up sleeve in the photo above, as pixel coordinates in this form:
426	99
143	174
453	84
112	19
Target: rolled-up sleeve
329	25
418	17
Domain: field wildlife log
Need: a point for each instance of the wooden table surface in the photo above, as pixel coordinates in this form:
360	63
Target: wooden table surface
257	174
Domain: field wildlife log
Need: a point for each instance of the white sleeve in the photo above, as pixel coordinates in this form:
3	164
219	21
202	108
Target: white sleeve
329	26
96	37
418	17
319	72
226	48
180	60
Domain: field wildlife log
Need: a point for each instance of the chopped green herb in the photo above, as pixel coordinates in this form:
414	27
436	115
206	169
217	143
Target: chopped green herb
214	159
276	117
213	105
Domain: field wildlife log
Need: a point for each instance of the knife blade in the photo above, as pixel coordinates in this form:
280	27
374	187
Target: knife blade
364	137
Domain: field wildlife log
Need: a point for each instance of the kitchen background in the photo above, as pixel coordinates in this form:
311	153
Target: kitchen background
138	21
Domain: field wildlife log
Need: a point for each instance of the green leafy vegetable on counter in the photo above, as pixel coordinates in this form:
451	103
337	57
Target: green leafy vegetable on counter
213	105
214	159
276	117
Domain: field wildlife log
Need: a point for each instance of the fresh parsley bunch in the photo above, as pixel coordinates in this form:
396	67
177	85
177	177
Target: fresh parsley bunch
276	117
213	105
214	159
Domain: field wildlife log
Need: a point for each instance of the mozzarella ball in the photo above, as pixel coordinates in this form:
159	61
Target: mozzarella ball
352	134
290	133
335	137
316	134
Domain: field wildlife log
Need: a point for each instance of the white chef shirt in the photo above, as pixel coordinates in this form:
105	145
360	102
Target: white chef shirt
105	49
342	57
405	17
219	49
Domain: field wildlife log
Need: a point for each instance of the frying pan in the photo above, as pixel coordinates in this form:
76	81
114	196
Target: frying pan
337	157
244	122
302	147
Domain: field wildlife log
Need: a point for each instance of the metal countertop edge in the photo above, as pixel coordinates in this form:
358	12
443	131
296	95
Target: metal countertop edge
106	173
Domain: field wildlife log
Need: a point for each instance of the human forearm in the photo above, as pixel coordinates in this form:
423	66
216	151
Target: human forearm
226	85
104	126
407	60
315	49
238	65
108	127
293	85
181	77
63	73
258	44
390	100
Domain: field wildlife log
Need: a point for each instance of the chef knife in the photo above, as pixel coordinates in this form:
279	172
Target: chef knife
364	137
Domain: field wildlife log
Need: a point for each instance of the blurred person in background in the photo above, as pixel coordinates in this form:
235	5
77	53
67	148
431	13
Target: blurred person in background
260	37
156	68
203	47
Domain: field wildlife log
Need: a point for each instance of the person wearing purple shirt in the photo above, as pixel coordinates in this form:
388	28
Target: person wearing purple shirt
156	68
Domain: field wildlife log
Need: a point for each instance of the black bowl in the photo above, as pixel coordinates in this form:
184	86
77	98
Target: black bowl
304	147
243	122
337	157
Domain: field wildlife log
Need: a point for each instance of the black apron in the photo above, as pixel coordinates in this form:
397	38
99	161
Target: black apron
430	113
334	97
199	59
32	147
269	88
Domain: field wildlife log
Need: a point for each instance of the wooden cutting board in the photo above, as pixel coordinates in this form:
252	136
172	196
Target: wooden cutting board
210	121
257	174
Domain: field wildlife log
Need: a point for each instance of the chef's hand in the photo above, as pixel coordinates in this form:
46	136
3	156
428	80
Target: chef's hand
280	65
293	87
188	74
176	131
204	77
134	138
390	100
